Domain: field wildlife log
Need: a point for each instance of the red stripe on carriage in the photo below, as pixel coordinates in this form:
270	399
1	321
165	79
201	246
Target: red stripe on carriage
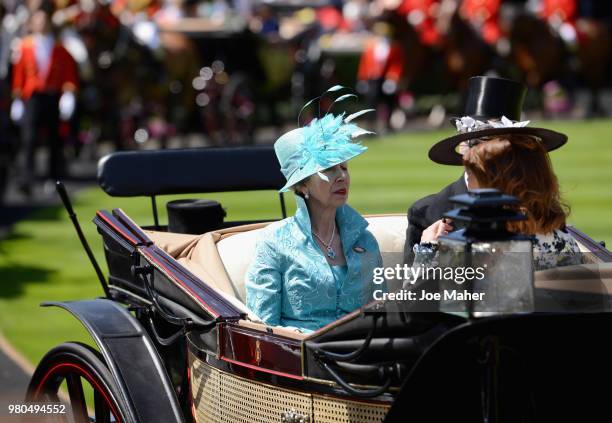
261	369
89	378
200	300
131	226
106	219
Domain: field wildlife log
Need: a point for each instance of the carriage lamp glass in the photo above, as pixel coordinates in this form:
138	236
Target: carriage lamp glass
502	261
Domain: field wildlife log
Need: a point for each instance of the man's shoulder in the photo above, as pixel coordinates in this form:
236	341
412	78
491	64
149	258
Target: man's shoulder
439	200
419	207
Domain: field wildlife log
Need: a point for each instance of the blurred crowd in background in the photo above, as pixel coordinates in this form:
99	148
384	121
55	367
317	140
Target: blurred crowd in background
78	74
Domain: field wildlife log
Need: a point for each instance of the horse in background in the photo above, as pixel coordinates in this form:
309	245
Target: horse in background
136	89
541	54
467	50
594	55
120	75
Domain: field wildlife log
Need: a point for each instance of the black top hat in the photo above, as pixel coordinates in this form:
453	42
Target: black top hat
491	99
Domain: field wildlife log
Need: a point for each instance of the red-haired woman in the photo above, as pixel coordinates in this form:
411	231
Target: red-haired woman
518	165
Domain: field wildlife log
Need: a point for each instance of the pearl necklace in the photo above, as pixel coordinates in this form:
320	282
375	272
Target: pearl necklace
328	245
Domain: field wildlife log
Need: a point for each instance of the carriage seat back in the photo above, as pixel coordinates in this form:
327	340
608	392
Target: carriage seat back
189	171
237	251
221	258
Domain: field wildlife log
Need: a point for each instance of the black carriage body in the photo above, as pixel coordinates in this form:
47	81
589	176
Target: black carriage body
225	366
238	353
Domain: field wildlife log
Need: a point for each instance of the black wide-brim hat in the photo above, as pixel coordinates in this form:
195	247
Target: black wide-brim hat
490	99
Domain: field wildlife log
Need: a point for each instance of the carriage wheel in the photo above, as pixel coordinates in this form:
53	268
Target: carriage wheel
78	365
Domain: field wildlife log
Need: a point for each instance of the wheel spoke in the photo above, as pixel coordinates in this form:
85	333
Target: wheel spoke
53	398
77	398
102	411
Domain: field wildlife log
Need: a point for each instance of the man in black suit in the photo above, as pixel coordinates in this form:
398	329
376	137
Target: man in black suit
426	211
493	107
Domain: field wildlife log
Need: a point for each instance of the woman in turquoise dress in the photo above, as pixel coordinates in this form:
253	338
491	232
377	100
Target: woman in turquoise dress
316	266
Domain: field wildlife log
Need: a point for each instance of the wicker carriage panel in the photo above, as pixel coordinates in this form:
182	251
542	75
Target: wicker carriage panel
246	401
205	388
221	397
332	410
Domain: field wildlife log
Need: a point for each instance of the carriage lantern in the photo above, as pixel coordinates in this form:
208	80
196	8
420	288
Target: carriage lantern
501	262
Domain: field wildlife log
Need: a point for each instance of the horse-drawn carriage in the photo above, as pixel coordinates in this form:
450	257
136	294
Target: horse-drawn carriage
176	342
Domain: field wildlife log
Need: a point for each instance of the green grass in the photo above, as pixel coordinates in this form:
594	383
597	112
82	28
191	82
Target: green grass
42	259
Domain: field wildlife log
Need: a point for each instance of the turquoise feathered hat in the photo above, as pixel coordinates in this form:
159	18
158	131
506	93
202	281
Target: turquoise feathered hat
323	143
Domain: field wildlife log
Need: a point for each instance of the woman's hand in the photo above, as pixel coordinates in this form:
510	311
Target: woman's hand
439	227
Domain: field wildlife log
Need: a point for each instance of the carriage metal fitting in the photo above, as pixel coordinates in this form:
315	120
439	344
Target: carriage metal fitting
292	416
357	392
397	370
168	310
321	354
136	270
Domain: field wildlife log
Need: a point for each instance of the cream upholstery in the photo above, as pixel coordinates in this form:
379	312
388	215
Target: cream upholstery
594	278
221	258
199	255
236	251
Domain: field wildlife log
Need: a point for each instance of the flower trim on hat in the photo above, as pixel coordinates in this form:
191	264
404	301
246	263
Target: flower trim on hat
469	124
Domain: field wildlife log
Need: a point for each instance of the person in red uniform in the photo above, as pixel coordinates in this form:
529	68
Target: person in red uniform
559	11
382	58
381	68
422	15
45	79
483	15
561	15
